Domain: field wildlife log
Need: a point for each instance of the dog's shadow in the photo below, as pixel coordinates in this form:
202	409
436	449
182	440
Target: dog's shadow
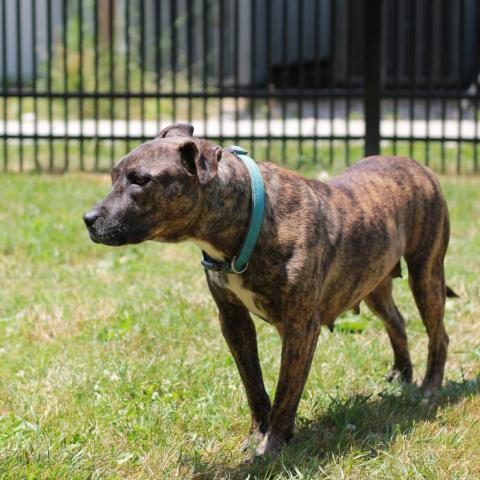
364	423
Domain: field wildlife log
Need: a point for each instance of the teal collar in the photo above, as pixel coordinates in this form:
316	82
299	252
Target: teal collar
239	263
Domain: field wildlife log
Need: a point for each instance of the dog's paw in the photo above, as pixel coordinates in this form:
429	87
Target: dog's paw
270	447
392	375
404	376
430	387
252	441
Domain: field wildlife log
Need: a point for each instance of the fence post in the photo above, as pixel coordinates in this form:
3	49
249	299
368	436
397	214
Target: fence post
373	14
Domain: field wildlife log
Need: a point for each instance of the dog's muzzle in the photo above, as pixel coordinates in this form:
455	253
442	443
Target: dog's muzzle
94	222
91	217
104	228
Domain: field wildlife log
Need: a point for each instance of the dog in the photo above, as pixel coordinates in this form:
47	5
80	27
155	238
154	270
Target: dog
323	248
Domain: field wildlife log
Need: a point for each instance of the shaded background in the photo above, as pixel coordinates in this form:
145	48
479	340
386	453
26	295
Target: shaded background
83	81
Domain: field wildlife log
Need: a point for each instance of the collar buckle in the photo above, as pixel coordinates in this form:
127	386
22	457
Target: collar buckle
234	268
209	263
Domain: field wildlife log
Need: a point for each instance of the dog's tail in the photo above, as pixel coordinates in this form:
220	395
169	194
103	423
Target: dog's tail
451	293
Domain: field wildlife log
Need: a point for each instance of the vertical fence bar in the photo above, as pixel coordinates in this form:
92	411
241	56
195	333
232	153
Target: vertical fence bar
5	98
49	84
158	60
268	43
66	155
396	69
301	78
445	50
317	73
19	80
348	86
205	65
461	47
80	79
111	81
372	77
96	82
236	66
253	50
475	103
428	58
284	75
190	16
33	59
220	65
173	56
331	102
412	53
127	70
142	68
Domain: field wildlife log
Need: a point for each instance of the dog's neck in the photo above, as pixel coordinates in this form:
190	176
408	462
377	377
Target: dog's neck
223	222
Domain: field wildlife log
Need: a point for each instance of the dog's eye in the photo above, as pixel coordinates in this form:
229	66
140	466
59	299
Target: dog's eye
136	179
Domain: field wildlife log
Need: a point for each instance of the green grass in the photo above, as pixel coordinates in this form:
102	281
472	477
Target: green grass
112	364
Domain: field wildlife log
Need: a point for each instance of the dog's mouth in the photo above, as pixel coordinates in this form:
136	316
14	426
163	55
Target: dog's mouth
111	240
107	233
114	235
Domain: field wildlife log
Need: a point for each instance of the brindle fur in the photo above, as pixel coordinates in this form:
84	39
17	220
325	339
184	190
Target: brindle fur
323	248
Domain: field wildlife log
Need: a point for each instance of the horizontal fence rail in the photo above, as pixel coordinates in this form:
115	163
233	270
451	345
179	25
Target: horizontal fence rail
310	83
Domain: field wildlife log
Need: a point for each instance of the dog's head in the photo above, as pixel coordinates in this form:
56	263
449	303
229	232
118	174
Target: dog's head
156	190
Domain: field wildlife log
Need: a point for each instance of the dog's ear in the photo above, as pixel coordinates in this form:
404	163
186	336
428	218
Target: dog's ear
200	160
177	130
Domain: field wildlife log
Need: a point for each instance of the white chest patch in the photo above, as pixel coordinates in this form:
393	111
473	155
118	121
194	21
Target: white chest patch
235	285
234	282
210	249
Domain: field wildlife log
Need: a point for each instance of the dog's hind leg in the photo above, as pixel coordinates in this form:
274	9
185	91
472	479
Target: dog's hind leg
381	303
427	282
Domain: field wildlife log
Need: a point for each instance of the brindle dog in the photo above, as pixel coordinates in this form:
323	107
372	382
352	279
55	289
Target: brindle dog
323	248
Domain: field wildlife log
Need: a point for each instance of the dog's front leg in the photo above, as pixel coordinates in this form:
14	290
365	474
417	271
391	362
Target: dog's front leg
299	342
239	332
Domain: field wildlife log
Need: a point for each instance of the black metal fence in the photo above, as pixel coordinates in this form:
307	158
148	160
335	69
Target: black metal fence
305	82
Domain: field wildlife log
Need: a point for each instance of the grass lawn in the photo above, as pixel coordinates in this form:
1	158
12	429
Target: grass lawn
112	364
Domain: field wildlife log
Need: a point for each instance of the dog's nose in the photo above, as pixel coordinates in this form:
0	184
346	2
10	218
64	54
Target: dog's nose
91	217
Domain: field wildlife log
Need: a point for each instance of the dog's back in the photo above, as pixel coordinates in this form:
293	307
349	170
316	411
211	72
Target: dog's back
403	190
